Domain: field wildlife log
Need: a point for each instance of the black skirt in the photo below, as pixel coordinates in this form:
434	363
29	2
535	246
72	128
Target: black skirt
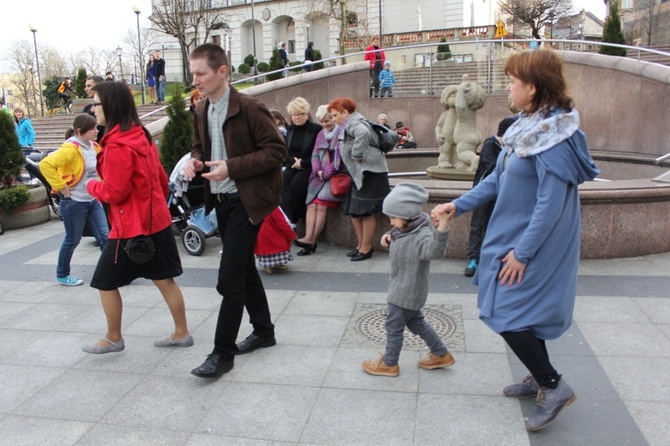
367	200
115	269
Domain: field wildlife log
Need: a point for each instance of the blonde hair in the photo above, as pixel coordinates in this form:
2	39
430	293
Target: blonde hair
298	105
321	112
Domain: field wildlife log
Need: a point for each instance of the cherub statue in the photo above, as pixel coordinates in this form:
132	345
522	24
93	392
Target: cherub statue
469	98
444	130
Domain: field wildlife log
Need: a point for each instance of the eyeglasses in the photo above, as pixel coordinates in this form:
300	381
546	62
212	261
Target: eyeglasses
95	104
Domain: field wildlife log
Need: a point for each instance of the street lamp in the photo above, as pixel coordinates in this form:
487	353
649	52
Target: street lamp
380	23
253	35
32	82
118	53
137	12
37	60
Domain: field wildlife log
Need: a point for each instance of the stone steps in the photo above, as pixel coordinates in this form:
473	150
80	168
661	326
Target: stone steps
431	81
50	130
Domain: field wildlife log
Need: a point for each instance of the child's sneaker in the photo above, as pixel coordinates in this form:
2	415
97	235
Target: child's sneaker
379	368
69	281
432	361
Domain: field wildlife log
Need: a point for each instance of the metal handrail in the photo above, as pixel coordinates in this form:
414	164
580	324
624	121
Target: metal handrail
580	43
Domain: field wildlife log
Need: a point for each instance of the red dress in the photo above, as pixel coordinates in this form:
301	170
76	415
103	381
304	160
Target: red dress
273	245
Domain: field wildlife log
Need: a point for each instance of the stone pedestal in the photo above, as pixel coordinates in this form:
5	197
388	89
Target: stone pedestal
441	173
34	212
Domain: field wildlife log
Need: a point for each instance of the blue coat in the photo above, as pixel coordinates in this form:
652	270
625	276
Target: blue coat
537	213
25	132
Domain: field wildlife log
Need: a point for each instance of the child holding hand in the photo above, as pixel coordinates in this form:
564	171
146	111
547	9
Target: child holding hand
413	242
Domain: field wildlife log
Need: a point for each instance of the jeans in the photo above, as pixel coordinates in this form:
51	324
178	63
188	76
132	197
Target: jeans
239	282
396	320
160	89
384	90
76	215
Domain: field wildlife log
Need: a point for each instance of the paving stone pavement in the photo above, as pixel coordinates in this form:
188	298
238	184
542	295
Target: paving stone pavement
310	388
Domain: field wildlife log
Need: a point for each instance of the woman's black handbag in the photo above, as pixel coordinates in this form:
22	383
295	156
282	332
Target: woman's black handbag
140	249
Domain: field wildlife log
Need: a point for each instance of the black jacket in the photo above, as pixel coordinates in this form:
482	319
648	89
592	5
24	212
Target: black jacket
312	130
487	159
159	67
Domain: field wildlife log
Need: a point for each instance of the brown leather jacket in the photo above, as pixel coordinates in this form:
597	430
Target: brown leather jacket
255	150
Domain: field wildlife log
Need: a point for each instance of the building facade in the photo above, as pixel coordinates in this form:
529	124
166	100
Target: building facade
257	27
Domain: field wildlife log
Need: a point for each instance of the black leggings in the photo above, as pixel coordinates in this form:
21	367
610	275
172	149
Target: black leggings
532	352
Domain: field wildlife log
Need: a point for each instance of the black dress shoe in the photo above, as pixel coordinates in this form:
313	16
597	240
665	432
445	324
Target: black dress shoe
361	256
352	253
213	367
300	244
253	342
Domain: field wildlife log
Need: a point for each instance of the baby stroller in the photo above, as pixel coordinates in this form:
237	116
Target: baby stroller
33	168
188	211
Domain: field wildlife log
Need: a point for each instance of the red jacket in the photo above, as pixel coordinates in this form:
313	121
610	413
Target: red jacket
132	183
370	56
275	234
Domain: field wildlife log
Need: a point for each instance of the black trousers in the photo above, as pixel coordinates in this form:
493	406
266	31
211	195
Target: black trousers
532	352
294	193
374	78
239	282
478	224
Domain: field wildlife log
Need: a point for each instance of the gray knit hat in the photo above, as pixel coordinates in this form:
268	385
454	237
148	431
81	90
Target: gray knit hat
406	201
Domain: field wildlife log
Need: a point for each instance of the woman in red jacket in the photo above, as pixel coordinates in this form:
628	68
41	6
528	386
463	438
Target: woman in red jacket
135	186
374	54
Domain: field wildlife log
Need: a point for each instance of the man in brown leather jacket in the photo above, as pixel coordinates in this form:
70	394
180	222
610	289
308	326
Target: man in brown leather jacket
239	147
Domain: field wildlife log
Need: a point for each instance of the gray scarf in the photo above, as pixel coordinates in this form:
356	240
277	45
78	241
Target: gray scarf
535	133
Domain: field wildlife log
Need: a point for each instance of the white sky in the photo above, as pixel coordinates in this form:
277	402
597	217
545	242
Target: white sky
73	25
70	25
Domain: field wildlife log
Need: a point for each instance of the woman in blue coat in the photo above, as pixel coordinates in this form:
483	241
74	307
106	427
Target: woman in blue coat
24	130
528	272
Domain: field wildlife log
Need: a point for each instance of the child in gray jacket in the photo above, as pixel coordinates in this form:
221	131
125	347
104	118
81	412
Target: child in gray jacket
413	242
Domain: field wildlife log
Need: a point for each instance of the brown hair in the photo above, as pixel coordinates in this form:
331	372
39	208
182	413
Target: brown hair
195	95
82	124
543	69
213	54
341	104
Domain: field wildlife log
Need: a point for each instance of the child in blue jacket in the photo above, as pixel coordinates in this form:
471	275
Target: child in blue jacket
386	80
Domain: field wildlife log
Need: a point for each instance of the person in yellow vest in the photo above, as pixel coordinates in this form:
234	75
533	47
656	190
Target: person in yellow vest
62	90
68	170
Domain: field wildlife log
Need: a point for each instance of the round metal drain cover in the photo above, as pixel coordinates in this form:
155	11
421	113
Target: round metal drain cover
372	326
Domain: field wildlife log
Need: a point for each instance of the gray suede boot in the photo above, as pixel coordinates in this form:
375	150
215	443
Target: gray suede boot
527	388
550	402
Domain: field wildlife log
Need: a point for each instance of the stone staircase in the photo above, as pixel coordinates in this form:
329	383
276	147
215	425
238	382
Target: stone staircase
50	130
432	80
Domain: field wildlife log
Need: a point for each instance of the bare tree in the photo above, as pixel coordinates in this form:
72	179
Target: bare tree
649	20
345	13
95	61
536	13
21	58
139	49
189	21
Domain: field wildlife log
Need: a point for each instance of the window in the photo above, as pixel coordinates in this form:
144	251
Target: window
352	19
627	4
291	46
10	93
216	40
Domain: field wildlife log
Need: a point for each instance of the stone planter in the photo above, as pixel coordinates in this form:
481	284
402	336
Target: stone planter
34	212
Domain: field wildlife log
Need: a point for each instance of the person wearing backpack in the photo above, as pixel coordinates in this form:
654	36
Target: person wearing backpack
62	90
367	166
